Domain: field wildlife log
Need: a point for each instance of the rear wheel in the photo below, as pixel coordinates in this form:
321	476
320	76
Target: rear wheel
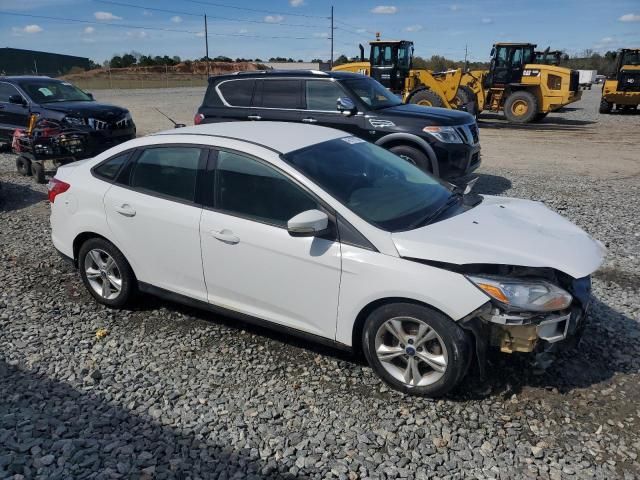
415	349
106	273
605	107
413	155
427	98
37	170
521	107
464	97
23	165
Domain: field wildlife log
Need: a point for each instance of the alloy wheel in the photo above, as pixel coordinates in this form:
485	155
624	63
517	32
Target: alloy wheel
411	351
103	274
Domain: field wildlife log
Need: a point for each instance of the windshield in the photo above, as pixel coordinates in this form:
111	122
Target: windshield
372	182
372	93
43	91
631	58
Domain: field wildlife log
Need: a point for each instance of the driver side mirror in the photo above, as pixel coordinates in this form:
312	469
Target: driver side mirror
90	95
346	106
309	223
17	99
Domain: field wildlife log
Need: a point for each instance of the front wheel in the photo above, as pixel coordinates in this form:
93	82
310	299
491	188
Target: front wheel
415	349
413	155
23	165
106	273
605	107
427	98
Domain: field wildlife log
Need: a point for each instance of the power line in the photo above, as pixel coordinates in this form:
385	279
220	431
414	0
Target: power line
241	20
163	29
201	2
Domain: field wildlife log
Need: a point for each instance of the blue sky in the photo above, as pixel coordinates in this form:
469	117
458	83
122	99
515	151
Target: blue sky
436	27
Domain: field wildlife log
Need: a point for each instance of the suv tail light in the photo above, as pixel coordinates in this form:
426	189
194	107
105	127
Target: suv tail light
56	187
197	120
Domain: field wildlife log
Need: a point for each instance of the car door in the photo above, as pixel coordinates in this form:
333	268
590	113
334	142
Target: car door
12	115
251	263
321	107
155	220
278	100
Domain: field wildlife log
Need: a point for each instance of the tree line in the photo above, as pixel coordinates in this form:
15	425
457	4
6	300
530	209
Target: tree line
138	59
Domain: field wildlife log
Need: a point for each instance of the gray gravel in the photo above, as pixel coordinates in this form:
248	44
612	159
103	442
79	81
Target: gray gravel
171	392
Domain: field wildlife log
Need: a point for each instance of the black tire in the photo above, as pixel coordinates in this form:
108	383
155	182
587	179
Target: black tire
23	165
458	349
465	96
37	170
521	107
413	155
427	98
605	107
127	278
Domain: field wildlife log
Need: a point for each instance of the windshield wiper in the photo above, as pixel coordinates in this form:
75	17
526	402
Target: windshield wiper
454	199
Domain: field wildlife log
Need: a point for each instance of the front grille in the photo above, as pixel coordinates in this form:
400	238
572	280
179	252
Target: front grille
574	84
469	133
97	124
629	81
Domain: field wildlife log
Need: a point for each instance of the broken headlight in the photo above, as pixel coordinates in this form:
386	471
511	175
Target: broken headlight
531	295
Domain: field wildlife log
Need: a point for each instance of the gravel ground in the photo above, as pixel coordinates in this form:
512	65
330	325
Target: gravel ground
171	392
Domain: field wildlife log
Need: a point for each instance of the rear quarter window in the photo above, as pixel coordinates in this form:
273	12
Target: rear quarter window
237	93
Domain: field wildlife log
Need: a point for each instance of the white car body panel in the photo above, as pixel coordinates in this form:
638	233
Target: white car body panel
291	281
506	231
161	241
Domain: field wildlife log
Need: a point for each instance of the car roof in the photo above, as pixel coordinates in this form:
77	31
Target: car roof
286	73
17	78
283	137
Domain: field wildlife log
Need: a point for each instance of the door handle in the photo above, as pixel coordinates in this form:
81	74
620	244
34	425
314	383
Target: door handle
309	120
126	210
254	117
225	236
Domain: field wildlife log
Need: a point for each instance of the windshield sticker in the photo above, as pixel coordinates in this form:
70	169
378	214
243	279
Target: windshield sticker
352	140
46	92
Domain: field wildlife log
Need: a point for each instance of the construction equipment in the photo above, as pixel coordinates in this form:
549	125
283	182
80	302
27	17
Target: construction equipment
548	57
391	64
622	89
524	90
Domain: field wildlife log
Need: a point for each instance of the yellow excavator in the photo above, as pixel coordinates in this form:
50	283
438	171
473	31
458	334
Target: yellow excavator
622	89
523	90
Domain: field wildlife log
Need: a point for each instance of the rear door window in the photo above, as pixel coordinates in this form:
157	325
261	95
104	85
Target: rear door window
282	93
322	95
237	93
109	169
166	171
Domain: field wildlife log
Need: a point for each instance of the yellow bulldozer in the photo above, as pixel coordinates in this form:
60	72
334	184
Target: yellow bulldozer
523	90
622	89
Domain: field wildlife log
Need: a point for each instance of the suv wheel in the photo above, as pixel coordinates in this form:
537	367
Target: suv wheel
106	273
413	155
416	349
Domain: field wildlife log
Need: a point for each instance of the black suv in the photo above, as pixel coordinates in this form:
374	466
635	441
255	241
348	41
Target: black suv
60	101
443	142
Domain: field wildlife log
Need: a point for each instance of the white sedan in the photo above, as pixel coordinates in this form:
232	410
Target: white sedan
321	234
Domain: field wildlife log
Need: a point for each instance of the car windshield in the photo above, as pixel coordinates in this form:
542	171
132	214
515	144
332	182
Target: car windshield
372	93
375	184
42	91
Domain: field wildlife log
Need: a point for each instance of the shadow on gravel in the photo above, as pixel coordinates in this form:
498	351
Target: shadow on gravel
15	196
52	430
554	123
609	345
487	184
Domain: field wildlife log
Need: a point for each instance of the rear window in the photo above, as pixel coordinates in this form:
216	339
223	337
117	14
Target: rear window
237	93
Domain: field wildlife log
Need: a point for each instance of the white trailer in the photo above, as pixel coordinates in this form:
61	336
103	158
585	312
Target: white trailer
587	78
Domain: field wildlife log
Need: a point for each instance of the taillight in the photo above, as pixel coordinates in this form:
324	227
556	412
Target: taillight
197	120
56	187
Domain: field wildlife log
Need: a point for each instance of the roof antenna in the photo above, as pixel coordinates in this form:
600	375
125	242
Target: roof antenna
175	124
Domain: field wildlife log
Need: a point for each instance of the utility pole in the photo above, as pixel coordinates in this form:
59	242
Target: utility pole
332	31
206	42
466	66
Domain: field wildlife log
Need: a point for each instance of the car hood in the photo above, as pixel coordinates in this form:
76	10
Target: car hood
431	115
101	111
505	231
